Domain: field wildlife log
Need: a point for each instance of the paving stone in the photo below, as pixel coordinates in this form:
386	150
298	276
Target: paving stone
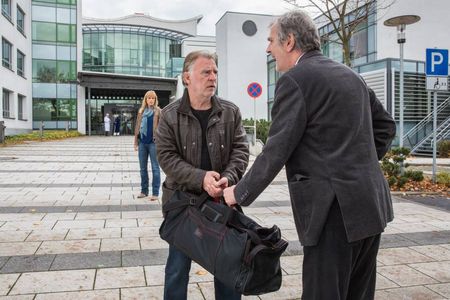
384	283
154	275
414	292
29	263
439	270
6	282
93	233
395	241
142	232
85	295
3	260
17	248
292	264
47	235
294	248
87	260
143	293
437	252
13	235
395	256
120	277
120	244
441	288
72	246
291	288
404	275
429	238
153	243
144	257
54	281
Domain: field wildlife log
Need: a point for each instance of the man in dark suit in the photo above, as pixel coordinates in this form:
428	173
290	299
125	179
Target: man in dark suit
330	131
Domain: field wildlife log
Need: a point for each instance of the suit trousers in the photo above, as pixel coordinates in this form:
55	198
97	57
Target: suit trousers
336	269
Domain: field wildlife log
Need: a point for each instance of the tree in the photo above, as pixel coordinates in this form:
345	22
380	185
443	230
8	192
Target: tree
345	16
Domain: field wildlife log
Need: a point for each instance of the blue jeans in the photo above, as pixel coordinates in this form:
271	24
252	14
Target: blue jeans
145	151
176	280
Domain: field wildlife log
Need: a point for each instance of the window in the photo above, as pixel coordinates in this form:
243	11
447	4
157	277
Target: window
43	31
6	9
20	19
7	113
20	63
21	107
6	54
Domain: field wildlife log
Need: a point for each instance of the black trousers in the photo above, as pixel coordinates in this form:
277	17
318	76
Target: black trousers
336	269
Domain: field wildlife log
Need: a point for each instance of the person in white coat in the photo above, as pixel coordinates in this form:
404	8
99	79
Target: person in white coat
107	122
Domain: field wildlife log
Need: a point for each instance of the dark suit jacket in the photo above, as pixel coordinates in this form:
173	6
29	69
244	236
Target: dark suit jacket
329	130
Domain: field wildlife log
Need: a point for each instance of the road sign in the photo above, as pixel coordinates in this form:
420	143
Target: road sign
254	90
437	83
436	62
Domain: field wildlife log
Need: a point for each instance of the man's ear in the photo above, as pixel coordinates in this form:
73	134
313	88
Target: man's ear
186	78
290	42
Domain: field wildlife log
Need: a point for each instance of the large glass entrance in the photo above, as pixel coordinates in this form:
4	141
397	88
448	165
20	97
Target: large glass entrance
123	117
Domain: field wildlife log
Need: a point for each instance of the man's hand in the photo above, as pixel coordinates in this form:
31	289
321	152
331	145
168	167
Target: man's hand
135	147
228	194
222	183
210	184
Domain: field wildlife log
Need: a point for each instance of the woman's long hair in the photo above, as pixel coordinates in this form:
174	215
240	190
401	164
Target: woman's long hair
144	101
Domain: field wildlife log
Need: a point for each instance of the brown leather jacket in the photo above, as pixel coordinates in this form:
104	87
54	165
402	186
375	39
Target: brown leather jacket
157	113
178	145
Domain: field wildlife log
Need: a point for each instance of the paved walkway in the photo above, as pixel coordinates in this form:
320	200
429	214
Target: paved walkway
71	227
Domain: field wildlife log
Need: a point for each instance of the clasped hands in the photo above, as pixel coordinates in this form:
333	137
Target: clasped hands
217	187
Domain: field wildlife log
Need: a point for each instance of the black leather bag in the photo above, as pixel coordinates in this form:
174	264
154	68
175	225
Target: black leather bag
231	246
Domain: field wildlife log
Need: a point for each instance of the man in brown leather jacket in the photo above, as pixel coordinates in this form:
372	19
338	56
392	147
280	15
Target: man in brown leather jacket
201	146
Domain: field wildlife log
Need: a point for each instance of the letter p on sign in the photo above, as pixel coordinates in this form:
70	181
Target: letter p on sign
436	62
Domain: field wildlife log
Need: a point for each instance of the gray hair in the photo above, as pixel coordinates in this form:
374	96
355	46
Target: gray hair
302	27
192	57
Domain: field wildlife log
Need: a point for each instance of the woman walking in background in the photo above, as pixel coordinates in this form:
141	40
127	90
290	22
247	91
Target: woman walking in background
144	143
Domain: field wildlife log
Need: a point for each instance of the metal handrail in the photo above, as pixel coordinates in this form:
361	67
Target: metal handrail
439	134
425	120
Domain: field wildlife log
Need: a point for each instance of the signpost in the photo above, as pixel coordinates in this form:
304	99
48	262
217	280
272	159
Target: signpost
436	66
254	90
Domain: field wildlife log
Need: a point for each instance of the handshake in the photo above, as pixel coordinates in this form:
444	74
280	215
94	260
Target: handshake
217	187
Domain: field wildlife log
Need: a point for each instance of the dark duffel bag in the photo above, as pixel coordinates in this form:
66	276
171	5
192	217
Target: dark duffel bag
231	246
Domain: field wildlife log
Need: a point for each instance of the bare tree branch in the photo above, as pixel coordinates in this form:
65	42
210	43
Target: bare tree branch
344	16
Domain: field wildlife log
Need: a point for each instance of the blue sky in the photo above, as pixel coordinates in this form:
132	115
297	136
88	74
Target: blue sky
211	10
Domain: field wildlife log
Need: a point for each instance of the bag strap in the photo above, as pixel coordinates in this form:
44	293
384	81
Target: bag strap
185	200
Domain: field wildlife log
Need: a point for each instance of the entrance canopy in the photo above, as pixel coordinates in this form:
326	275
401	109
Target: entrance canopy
101	80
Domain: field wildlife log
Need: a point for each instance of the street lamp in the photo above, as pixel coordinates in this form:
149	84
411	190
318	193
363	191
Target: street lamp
400	22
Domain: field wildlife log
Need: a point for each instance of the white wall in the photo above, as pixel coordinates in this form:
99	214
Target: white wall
431	31
9	79
200	42
242	60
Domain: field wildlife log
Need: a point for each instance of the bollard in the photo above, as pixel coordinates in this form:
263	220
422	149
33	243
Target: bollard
67	126
2	132
41	130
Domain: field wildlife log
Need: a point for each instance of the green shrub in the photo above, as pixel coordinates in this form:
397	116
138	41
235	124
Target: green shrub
444	148
414	175
262	128
443	178
392	163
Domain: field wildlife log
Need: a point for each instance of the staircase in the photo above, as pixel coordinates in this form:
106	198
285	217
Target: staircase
420	138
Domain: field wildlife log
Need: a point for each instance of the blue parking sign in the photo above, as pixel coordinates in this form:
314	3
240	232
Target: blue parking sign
436	62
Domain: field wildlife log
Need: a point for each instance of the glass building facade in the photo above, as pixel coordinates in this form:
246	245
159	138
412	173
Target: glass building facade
54	51
363	47
134	50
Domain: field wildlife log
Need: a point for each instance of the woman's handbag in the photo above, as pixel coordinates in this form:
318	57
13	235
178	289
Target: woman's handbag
231	246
